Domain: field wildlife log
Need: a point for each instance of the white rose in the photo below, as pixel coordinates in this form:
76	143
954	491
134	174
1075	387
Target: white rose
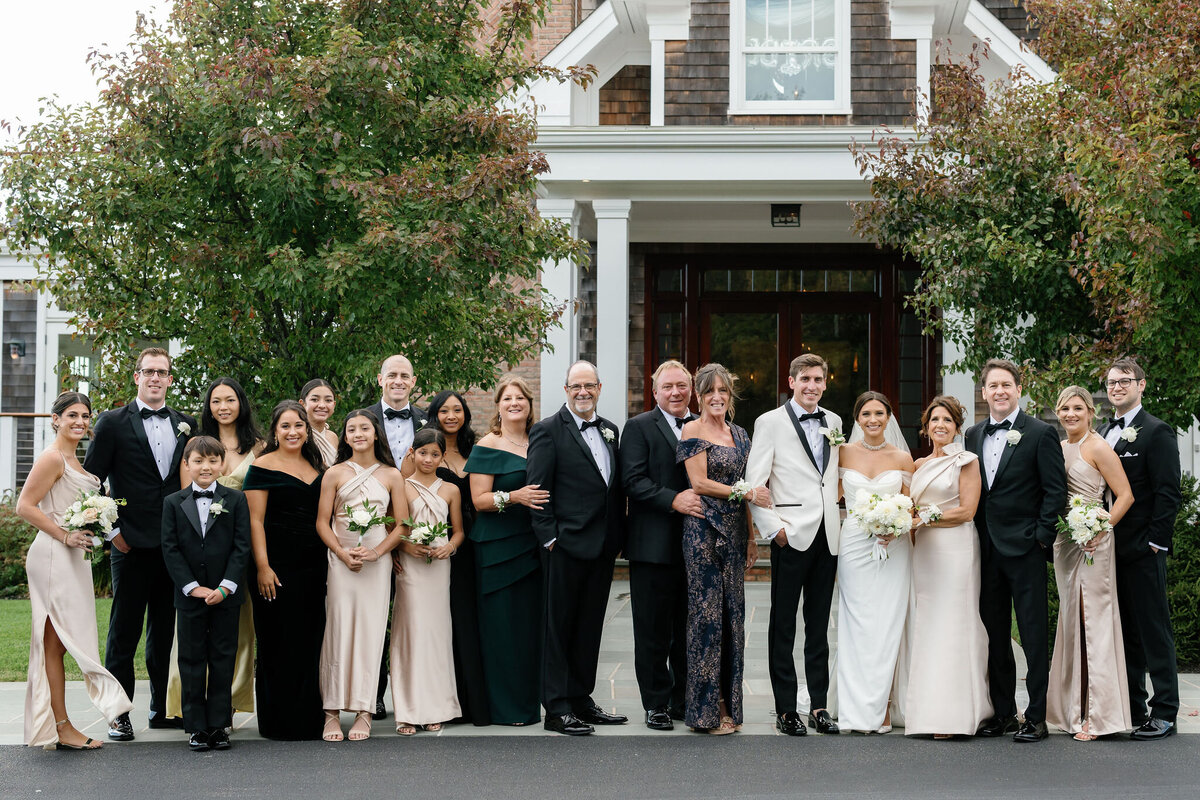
1013	438
184	429
361	516
91	514
1130	434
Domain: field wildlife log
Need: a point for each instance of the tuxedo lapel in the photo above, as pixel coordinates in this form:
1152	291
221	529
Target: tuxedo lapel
824	449
192	513
1006	453
800	433
139	431
180	442
1138	422
568	422
664	428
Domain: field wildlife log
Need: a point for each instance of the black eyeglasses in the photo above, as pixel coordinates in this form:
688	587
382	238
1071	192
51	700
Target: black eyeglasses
575	388
155	373
1122	382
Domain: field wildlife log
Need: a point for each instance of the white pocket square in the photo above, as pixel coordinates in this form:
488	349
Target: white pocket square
1128	455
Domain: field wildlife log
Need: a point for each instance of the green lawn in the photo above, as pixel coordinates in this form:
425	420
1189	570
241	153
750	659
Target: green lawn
14	641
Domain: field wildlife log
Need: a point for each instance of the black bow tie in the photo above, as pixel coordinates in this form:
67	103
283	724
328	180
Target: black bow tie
391	413
1119	422
147	413
680	421
818	415
197	494
595	423
992	427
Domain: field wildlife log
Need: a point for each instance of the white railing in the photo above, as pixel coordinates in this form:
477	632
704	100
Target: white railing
17	452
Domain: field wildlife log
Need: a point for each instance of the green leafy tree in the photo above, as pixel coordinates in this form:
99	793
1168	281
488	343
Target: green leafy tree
297	189
1056	222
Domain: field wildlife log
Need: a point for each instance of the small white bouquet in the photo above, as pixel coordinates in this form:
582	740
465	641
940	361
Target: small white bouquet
882	516
1086	519
928	514
428	534
92	512
360	520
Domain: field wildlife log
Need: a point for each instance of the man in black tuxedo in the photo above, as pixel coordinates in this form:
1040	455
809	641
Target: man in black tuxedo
1024	493
574	456
137	449
400	420
659	498
1149	453
206	547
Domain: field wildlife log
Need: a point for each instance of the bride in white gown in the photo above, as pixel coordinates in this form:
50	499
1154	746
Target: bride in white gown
872	593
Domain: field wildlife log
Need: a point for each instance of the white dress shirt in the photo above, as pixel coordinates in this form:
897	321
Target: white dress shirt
595	442
676	429
993	446
400	433
812	432
161	437
203	505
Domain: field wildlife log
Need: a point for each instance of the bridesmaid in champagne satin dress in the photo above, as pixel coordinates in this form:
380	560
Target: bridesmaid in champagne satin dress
947	686
1089	689
61	592
319	402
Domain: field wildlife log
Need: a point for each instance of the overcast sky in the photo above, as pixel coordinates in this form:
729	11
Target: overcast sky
44	47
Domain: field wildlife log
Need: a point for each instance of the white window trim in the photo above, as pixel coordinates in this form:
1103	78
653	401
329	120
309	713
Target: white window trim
737	79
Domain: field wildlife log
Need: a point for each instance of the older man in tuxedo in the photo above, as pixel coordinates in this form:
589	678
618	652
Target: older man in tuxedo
1024	492
796	460
659	498
137	449
1150	455
573	454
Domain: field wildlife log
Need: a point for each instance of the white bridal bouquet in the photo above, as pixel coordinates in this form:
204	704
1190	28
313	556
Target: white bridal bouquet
881	516
91	512
429	534
1085	520
360	520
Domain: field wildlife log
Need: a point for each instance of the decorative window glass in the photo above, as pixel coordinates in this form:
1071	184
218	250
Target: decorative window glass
789	56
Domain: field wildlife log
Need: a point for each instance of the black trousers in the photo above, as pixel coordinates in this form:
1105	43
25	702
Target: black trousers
142	590
208	639
794	573
1015	583
576	597
658	593
1149	640
386	659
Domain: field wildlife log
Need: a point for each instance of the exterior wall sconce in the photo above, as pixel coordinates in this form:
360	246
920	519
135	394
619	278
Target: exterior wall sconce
785	216
16	349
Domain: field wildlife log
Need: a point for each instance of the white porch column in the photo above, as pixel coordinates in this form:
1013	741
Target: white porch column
560	279
913	19
666	20
612	306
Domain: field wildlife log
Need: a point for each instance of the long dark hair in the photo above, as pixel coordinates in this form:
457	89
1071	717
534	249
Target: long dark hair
465	439
248	434
383	453
309	449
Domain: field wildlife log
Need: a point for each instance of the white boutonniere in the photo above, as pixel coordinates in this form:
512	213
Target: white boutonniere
216	510
607	434
1129	434
1013	438
833	436
421	424
184	429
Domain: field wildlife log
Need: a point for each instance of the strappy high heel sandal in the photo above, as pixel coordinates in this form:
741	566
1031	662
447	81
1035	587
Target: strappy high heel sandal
361	729
333	727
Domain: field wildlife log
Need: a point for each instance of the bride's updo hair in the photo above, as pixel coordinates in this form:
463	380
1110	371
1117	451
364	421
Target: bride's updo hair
706	383
1076	391
867	397
951	406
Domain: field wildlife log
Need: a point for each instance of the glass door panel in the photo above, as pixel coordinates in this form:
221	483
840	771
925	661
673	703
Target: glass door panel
844	340
747	343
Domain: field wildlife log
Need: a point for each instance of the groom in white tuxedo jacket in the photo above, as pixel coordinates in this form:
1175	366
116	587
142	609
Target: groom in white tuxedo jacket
792	455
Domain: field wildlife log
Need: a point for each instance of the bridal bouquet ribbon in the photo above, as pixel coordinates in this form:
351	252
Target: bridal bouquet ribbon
360	520
1085	521
428	534
91	512
881	517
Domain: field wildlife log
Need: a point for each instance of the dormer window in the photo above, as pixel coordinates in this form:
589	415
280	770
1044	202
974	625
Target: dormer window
789	57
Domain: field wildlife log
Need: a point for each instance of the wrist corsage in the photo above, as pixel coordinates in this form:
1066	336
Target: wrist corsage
501	500
739	491
929	514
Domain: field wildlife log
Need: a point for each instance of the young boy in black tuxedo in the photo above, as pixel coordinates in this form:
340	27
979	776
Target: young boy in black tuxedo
206	547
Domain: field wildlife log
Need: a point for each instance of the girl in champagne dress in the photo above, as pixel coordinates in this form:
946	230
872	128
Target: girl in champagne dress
359	581
1088	694
317	399
424	692
872	593
227	417
947	687
61	593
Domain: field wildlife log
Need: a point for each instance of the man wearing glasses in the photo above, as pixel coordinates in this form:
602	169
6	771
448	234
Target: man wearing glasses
137	450
1150	455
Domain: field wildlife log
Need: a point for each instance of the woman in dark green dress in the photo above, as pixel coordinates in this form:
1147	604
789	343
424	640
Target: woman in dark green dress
507	558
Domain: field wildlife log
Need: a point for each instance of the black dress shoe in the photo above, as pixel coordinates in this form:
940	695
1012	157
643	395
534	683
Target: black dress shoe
1030	732
598	716
659	719
998	726
821	722
790	723
569	724
198	743
121	729
218	739
1153	729
380	710
677	712
159	722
